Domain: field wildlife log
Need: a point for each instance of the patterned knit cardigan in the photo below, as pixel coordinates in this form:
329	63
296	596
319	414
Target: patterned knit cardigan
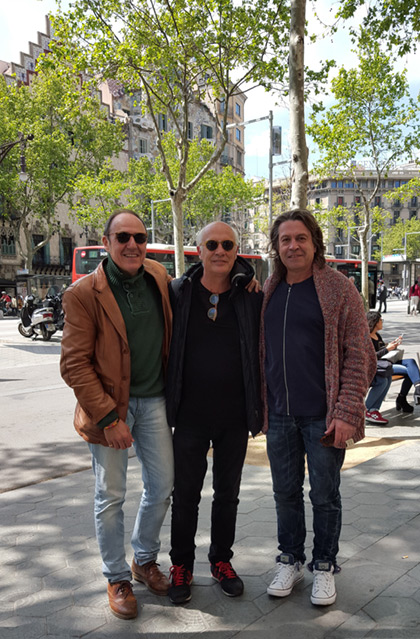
350	360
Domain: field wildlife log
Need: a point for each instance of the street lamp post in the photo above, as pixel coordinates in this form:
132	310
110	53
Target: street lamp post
152	202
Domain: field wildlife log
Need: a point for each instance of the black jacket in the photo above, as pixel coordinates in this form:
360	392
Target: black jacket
247	307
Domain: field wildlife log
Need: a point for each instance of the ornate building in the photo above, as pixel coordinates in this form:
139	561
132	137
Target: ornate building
52	263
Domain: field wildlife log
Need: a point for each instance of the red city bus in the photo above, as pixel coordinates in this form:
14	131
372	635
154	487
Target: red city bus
87	258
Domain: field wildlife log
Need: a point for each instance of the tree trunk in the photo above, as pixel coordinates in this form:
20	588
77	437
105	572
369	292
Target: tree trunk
178	221
299	151
364	259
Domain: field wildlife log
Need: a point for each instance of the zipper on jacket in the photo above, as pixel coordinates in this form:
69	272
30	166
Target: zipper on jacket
284	350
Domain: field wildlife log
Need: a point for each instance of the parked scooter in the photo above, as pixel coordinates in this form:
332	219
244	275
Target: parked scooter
53	302
36	319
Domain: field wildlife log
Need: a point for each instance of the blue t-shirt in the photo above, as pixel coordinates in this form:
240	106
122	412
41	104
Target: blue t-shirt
295	360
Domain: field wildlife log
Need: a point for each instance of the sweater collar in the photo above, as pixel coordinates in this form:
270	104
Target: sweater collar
116	277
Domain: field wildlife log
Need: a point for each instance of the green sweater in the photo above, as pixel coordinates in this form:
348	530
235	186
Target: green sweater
140	304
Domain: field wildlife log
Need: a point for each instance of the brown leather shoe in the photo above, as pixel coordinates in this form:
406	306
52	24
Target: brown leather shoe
150	575
122	601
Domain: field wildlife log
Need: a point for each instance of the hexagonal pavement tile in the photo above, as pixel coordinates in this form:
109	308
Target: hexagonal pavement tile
65	578
75	621
22	628
43	603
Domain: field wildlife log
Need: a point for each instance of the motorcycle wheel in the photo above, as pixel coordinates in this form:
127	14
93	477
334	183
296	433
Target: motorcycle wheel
26	332
46	335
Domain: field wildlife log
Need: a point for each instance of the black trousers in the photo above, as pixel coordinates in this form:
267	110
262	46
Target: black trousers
191	446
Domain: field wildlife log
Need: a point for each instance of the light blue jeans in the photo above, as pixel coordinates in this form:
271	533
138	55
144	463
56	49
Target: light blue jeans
152	436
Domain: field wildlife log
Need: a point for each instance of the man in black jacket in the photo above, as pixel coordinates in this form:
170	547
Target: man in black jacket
213	399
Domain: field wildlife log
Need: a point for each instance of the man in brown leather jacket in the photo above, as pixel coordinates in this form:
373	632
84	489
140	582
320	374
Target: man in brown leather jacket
114	351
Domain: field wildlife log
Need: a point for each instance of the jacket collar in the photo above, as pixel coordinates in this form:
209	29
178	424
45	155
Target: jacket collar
240	275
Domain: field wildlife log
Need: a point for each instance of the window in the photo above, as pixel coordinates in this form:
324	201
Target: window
190	132
317	200
39	258
238	135
357	200
222	105
66	250
206	132
237	109
239	158
8	245
414	201
339	250
163	122
377	200
340	200
340	184
348	185
333	184
413	213
396	183
396	216
143	145
397	203
355	249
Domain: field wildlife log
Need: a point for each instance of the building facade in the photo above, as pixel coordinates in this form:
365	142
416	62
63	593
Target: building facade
52	263
333	192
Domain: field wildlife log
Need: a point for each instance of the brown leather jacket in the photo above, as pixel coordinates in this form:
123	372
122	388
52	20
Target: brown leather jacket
95	356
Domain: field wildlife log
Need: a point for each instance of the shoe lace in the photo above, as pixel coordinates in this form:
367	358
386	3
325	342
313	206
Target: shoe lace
323	580
124	587
179	575
225	567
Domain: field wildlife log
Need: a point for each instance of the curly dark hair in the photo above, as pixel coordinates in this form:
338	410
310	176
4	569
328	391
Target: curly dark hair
298	215
373	318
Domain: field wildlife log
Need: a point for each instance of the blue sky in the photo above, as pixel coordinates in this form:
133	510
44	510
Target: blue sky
20	20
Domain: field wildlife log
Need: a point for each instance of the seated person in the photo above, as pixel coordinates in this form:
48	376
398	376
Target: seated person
406	367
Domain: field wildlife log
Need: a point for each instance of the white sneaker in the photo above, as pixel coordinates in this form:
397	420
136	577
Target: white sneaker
323	588
288	573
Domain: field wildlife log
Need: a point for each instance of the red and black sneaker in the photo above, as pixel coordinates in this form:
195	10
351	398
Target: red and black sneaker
232	585
181	578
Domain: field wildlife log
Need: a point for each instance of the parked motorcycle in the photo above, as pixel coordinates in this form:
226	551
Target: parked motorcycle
36	319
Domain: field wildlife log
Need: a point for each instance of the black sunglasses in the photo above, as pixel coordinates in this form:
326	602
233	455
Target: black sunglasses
124	237
227	245
212	312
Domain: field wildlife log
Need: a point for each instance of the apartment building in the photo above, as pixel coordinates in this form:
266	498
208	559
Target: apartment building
333	192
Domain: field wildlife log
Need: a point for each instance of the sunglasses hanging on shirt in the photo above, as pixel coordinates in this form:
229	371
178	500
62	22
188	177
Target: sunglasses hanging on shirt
212	312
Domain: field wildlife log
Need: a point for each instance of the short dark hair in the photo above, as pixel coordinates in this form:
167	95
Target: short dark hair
373	318
109	221
298	215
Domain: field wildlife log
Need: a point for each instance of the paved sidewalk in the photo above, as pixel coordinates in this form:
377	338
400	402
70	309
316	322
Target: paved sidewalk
51	586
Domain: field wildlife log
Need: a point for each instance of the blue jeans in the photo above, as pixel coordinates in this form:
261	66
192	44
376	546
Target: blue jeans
380	387
152	436
288	440
409	368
